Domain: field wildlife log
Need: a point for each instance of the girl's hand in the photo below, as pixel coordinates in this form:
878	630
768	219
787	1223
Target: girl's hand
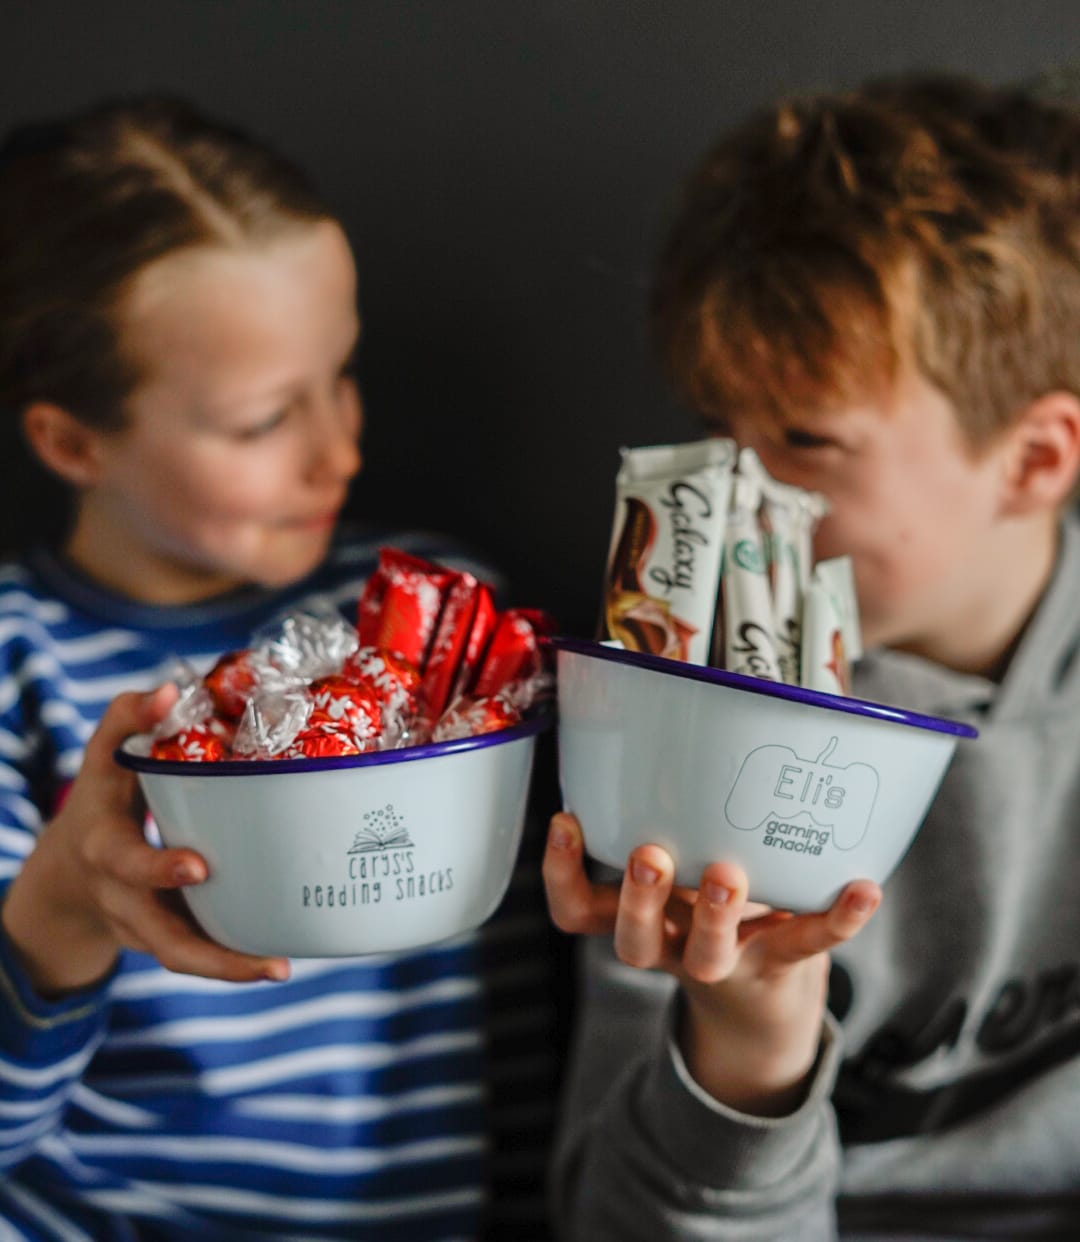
754	978
94	885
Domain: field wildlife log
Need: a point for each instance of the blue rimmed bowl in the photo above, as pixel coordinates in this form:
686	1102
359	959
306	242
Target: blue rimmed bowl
805	790
348	856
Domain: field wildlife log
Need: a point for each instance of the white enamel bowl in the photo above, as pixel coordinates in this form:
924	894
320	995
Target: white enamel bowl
806	791
348	856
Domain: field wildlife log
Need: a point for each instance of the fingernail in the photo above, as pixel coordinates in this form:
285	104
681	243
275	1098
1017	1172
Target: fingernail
561	838
860	903
276	972
642	873
185	873
717	894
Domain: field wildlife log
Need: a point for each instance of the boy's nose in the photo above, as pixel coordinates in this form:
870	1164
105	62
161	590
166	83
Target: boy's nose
335	442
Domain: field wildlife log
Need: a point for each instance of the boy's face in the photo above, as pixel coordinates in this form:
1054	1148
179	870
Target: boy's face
242	435
920	517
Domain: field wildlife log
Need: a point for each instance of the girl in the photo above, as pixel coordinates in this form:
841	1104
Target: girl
177	323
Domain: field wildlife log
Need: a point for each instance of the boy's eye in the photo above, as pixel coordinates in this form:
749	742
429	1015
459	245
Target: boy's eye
796	437
714	426
349	366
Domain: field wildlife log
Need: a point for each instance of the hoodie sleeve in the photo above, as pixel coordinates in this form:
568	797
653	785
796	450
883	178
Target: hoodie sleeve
644	1153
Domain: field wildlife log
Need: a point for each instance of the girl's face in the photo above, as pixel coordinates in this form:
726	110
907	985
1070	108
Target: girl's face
242	434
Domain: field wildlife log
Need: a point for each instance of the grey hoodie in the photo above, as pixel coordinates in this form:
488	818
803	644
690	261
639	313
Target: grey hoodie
945	1102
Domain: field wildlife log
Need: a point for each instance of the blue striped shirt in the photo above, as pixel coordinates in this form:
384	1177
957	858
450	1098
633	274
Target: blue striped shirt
405	1096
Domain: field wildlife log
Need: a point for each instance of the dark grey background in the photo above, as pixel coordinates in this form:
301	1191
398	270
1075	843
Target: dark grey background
504	168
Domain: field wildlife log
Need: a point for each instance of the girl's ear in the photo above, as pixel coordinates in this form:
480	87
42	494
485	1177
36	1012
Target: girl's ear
1043	454
63	444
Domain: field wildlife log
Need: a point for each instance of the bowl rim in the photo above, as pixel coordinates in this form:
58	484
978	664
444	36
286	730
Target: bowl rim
594	649
533	724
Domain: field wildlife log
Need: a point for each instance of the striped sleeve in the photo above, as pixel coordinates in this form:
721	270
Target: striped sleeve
44	1046
44	1050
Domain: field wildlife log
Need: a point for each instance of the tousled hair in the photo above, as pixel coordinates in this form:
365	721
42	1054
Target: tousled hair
832	240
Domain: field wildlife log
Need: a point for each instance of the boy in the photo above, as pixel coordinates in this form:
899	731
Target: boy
880	293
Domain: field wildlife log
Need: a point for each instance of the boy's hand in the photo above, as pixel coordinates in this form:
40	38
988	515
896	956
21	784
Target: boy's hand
754	978
93	884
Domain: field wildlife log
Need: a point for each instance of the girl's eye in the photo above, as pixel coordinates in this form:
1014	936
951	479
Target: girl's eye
258	430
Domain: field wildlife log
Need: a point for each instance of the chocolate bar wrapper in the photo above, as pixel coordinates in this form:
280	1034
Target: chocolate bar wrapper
450	640
400	605
664	561
750	645
789	516
830	626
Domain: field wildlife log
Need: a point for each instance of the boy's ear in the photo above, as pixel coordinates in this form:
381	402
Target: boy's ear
1044	454
63	444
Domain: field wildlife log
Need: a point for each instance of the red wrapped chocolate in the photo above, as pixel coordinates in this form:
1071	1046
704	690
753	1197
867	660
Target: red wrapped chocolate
231	682
399	608
397	683
469	717
483	626
451	641
199	744
514	653
346	704
324	741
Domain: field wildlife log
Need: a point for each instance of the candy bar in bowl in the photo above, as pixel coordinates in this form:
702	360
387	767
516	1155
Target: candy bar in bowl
713	715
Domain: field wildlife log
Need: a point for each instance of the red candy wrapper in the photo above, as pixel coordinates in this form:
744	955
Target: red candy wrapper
199	744
325	741
400	606
452	638
345	704
231	683
514	653
396	682
469	717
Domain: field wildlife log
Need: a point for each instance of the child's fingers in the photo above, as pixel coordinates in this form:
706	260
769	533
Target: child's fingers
712	945
153	921
113	847
576	905
641	921
809	934
852	910
170	936
136	864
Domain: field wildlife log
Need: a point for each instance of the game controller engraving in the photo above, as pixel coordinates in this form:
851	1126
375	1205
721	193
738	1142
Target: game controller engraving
775	782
